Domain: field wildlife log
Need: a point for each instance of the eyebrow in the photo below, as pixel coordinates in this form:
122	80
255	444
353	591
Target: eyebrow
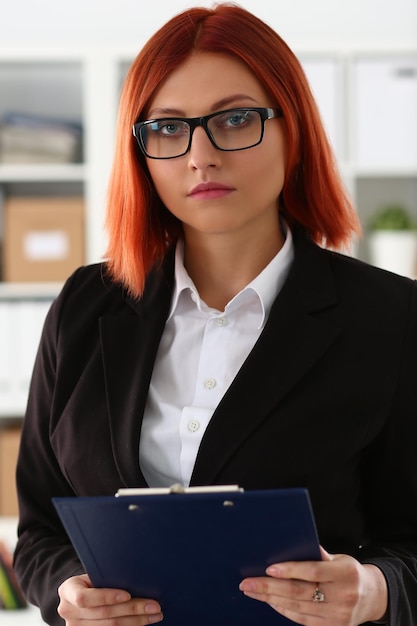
216	106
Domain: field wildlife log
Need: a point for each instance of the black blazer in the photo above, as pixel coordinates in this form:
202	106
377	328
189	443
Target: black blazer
327	400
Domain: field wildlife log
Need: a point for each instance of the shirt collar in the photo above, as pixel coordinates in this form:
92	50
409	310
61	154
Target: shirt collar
266	285
183	281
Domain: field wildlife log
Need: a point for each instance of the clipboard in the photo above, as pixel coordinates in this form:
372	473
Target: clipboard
189	551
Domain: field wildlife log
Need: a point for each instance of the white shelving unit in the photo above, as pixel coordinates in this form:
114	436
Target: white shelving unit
367	96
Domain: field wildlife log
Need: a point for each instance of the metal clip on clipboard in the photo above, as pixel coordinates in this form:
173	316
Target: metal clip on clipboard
177	488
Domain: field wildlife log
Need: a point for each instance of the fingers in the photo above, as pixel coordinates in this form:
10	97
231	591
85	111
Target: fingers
78	591
265	588
79	601
332	568
336	590
291	598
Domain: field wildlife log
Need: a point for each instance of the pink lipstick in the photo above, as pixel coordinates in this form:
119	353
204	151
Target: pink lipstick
209	191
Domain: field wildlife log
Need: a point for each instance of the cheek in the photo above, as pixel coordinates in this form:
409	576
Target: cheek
267	174
165	181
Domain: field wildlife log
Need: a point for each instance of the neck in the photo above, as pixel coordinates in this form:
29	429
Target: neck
221	268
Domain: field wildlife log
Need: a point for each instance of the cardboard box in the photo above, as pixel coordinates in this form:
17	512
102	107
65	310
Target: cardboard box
9	447
43	238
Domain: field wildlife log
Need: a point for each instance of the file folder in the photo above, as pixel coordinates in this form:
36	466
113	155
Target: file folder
191	550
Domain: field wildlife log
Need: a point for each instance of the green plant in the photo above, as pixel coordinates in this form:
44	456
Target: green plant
392	217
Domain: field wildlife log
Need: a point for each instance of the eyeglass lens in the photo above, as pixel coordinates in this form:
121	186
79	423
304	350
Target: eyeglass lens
230	130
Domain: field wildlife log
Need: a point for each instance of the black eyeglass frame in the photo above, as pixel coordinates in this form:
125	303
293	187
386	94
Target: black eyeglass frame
265	113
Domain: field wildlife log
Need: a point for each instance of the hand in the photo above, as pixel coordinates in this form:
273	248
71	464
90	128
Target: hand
353	593
80	603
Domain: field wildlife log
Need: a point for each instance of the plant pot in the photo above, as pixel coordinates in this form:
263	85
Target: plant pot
395	251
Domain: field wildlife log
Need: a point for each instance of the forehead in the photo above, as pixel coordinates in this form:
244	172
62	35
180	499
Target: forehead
205	82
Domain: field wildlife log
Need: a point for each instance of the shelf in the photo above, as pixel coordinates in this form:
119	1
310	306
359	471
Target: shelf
29	291
22	617
12	412
42	172
385	172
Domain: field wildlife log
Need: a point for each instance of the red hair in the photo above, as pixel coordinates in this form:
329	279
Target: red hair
139	226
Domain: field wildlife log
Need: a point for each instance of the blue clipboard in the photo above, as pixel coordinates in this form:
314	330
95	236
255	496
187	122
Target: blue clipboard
191	550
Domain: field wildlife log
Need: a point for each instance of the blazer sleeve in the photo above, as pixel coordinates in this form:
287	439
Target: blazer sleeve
44	557
390	471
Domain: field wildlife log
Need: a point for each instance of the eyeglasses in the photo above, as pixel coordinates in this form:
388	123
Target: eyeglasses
229	130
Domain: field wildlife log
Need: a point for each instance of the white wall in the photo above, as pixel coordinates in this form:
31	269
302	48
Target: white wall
301	22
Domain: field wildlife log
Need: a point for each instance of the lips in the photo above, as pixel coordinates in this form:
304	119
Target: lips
210	190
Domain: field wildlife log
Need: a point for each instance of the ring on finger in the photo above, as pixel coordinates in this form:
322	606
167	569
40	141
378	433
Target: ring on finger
318	595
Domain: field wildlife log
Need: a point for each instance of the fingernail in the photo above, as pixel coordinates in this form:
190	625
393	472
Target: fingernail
247	585
153	619
151	607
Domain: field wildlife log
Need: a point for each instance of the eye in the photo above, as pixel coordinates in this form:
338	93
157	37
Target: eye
238	118
169	128
234	119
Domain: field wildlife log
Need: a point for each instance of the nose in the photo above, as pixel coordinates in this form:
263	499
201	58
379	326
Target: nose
202	153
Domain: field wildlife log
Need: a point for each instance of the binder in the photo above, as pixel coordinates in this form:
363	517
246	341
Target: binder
189	551
384	85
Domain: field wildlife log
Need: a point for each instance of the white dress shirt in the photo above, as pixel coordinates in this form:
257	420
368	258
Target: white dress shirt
200	353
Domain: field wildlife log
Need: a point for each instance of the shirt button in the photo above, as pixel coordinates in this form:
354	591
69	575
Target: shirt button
209	383
193	426
221	321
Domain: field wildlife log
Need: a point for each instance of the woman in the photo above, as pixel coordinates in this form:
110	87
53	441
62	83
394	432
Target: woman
223	342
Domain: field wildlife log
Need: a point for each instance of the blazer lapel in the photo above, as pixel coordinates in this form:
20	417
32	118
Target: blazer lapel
291	343
129	344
